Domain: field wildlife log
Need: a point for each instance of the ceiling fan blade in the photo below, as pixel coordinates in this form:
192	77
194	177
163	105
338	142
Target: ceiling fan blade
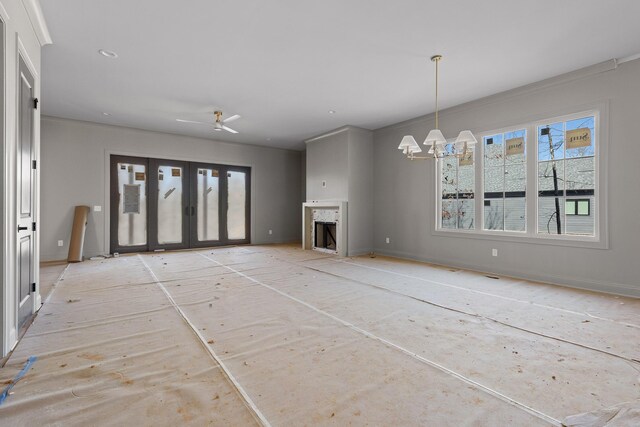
192	121
228	129
232	118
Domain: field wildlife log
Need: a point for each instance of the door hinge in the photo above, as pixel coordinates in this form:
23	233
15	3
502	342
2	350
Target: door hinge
34	164
35	103
33	226
33	287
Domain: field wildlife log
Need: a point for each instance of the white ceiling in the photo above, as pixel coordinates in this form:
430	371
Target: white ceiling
283	64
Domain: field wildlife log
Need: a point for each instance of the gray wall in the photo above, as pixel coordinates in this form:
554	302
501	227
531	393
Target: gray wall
360	207
327	160
74	172
344	159
404	192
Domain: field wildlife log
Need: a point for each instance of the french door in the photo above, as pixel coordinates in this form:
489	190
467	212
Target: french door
161	204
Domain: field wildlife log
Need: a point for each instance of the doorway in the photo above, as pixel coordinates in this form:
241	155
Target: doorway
159	204
26	170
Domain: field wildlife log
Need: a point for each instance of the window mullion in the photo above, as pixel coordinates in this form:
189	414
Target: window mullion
531	149
504	181
479	184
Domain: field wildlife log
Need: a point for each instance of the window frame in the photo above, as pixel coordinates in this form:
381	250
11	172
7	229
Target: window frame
599	240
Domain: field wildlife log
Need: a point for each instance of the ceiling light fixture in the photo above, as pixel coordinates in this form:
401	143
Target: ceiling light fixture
435	139
332	111
106	114
108	53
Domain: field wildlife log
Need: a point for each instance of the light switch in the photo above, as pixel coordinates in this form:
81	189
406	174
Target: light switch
60	243
97	208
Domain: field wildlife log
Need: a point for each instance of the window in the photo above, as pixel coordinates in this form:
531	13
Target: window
458	183
533	181
578	207
566	175
505	181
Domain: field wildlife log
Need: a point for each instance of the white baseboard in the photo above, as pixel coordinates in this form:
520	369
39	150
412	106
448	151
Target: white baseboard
13	338
585	284
358	252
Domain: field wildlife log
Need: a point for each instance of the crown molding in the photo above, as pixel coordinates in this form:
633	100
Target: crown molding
34	11
581	73
629	58
337	131
3	13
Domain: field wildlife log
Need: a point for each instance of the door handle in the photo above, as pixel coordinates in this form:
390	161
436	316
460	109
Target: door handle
193	210
186	210
22	228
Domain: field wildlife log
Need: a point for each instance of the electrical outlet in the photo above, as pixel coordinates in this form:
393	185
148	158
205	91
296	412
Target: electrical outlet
60	243
324	184
494	252
97	208
270	231
388	240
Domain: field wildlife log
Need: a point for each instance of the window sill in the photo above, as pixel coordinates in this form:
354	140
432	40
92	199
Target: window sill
521	237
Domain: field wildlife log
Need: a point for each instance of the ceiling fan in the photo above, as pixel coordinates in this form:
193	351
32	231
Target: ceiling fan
219	124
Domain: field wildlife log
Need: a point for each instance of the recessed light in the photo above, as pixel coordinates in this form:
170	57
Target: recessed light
332	111
268	139
108	53
106	114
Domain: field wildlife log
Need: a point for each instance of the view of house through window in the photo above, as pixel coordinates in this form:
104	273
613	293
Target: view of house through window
566	177
458	184
505	181
564	157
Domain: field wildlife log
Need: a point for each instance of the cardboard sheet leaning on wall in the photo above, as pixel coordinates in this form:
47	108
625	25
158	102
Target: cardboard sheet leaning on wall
76	243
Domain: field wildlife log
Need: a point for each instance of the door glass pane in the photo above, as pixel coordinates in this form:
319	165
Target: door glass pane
237	200
207	190
169	204
132	204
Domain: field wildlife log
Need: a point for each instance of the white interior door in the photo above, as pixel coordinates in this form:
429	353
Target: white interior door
25	195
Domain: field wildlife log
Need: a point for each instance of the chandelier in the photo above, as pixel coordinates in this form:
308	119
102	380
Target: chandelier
436	140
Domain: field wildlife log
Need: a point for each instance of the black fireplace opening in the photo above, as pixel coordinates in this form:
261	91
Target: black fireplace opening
325	235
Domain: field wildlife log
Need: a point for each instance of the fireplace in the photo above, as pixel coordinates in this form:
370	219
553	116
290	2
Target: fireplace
325	227
324	236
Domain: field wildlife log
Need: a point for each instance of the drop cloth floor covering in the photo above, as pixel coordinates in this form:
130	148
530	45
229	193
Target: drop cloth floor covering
276	335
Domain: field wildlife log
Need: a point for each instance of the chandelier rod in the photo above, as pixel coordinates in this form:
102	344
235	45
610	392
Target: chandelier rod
436	59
